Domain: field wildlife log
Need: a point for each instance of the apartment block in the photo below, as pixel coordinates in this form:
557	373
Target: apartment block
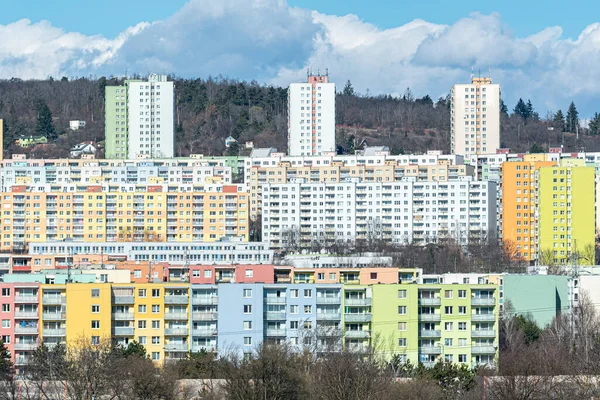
311	116
566	214
124	213
519	202
296	214
139	118
475	117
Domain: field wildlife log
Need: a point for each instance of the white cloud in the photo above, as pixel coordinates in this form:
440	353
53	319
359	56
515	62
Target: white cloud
270	41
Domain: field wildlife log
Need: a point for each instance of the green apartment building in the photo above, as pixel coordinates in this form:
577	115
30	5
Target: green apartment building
430	322
115	122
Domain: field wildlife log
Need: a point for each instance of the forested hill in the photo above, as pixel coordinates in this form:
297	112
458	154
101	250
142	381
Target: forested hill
207	111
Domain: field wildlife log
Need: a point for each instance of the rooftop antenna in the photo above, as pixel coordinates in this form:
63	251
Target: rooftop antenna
472	71
327	72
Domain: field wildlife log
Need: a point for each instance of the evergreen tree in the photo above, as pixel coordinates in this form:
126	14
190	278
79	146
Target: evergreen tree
503	108
134	349
530	110
572	118
6	366
348	89
408	96
350	144
536	148
233	149
594	126
520	109
44	125
426	100
559	120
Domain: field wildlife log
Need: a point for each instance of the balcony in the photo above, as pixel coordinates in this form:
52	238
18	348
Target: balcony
26	346
27	314
430	333
483	350
122	331
430	350
54	332
122	316
205	300
483	318
275	315
23	298
430	317
329	332
176	331
329	300
26	330
357	317
273	332
430	302
480	333
357	302
176	315
53	300
204	332
483	301
329	316
53	316
123	300
176	347
357	334
275	300
204	316
177	299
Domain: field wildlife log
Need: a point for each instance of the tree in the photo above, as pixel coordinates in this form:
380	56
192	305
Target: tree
134	349
559	120
350	143
233	149
594	126
536	148
348	89
521	109
572	118
44	125
503	108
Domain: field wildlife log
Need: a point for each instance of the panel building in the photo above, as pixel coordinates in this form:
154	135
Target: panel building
311	116
139	118
475	117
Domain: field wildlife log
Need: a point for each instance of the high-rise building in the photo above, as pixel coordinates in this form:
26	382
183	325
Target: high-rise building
139	118
311	116
475	117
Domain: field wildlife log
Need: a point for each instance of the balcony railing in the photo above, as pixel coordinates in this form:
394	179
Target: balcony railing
357	334
53	300
122	331
176	315
27	314
123	300
122	316
357	302
430	301
275	332
357	317
26	346
205	300
430	333
275	315
176	331
483	301
329	300
204	316
430	317
54	332
53	316
483	333
176	347
430	350
26	330
483	317
483	350
329	316
21	298
177	299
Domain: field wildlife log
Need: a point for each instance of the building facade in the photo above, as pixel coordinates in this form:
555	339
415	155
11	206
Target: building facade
311	116
140	118
475	117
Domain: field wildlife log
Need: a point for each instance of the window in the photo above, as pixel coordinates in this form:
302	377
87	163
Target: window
142	309
155	308
462	342
247	309
155	324
373	275
142	340
402	294
141	292
462	358
401	326
321	276
155	292
448	342
95	308
95	324
294	310
5	307
155	356
155	339
462	326
5	292
249	273
293	324
6	323
401	310
247	293
307	325
307	309
95	292
448	294
95	340
462	310
294	293
247	341
308	293
462	294
402	342
142	324
247	325
448	310
207	273
448	326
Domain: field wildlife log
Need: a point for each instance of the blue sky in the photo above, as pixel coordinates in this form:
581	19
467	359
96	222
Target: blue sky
546	51
109	17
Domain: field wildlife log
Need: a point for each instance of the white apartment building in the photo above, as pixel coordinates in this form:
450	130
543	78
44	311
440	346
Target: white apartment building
150	124
475	117
400	212
311	117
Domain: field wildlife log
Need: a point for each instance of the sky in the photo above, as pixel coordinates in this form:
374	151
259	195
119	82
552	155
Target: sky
547	51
